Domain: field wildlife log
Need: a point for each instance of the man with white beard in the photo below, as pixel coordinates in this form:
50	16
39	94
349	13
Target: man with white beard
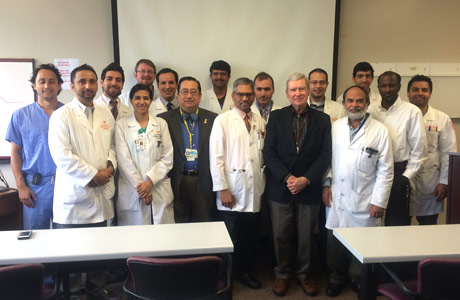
359	182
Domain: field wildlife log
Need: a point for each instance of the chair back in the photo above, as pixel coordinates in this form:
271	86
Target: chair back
439	278
174	278
23	281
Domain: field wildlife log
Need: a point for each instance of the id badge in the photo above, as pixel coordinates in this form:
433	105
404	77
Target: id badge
141	143
158	139
191	154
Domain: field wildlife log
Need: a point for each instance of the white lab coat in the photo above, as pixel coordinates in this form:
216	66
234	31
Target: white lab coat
441	139
334	109
255	110
209	101
357	179
236	162
157	107
79	151
123	110
154	161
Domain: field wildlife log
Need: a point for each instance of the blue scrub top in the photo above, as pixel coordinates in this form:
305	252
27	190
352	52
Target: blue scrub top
28	128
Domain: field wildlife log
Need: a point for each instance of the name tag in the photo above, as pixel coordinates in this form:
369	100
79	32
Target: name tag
191	154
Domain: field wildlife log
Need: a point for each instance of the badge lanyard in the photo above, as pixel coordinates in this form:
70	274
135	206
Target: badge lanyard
188	129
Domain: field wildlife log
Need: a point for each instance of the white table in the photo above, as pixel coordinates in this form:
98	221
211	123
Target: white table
397	244
68	247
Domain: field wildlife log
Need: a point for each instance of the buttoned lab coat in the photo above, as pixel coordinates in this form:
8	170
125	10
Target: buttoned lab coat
441	139
79	151
209	101
359	179
236	160
152	160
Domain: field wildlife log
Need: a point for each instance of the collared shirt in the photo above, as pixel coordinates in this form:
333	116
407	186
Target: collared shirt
405	126
319	106
299	123
268	108
193	126
28	128
354	131
165	102
107	100
243	114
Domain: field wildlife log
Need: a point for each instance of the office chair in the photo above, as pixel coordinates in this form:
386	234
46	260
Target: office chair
437	279
24	281
175	278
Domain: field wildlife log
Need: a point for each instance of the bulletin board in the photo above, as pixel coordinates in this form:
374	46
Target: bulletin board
15	92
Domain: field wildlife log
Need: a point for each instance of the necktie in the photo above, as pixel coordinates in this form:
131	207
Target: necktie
169	106
264	113
114	108
246	122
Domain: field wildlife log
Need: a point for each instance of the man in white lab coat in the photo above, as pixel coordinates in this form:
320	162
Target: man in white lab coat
236	163
218	98
81	139
318	83
408	140
359	184
167	85
430	183
145	72
363	75
264	88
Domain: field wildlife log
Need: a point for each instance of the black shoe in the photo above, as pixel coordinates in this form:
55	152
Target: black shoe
104	294
334	289
250	281
355	286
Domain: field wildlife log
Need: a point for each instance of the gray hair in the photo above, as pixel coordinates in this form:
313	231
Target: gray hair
296	76
243	81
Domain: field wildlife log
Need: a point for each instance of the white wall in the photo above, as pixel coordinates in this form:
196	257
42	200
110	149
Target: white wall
49	29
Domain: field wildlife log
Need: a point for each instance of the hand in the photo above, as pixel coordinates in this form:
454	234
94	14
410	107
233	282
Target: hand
148	199
26	195
227	198
144	188
440	191
102	177
376	211
296	184
327	196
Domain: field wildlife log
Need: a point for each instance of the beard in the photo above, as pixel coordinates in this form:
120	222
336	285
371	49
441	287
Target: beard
356	115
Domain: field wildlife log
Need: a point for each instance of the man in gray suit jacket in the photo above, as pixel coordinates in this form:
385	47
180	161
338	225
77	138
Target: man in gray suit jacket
190	127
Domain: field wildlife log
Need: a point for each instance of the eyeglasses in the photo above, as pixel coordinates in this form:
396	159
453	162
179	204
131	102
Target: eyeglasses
242	95
184	92
145	71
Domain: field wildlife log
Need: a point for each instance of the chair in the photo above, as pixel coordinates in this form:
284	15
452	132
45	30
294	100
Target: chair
24	281
175	278
437	279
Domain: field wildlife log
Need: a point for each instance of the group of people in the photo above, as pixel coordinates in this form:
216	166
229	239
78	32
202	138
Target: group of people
224	153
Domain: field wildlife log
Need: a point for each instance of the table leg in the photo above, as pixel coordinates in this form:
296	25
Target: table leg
66	284
367	289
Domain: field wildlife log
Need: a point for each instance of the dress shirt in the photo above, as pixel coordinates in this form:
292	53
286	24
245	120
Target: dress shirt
405	126
193	126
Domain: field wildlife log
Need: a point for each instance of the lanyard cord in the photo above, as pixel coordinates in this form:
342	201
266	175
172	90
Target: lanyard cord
188	129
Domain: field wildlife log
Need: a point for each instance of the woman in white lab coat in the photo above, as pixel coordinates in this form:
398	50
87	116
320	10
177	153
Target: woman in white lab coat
145	156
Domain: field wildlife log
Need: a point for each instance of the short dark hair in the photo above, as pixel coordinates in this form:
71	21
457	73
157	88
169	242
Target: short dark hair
419	77
113	67
389	73
167	70
359	87
83	67
188	78
50	67
147	62
363	67
220	65
140	87
318	70
264	76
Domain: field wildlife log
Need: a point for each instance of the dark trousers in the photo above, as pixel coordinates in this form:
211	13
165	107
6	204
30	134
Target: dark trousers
192	205
341	262
96	280
427	220
293	224
397	213
243	229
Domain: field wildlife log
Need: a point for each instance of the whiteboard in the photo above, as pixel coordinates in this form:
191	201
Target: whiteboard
15	92
278	37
